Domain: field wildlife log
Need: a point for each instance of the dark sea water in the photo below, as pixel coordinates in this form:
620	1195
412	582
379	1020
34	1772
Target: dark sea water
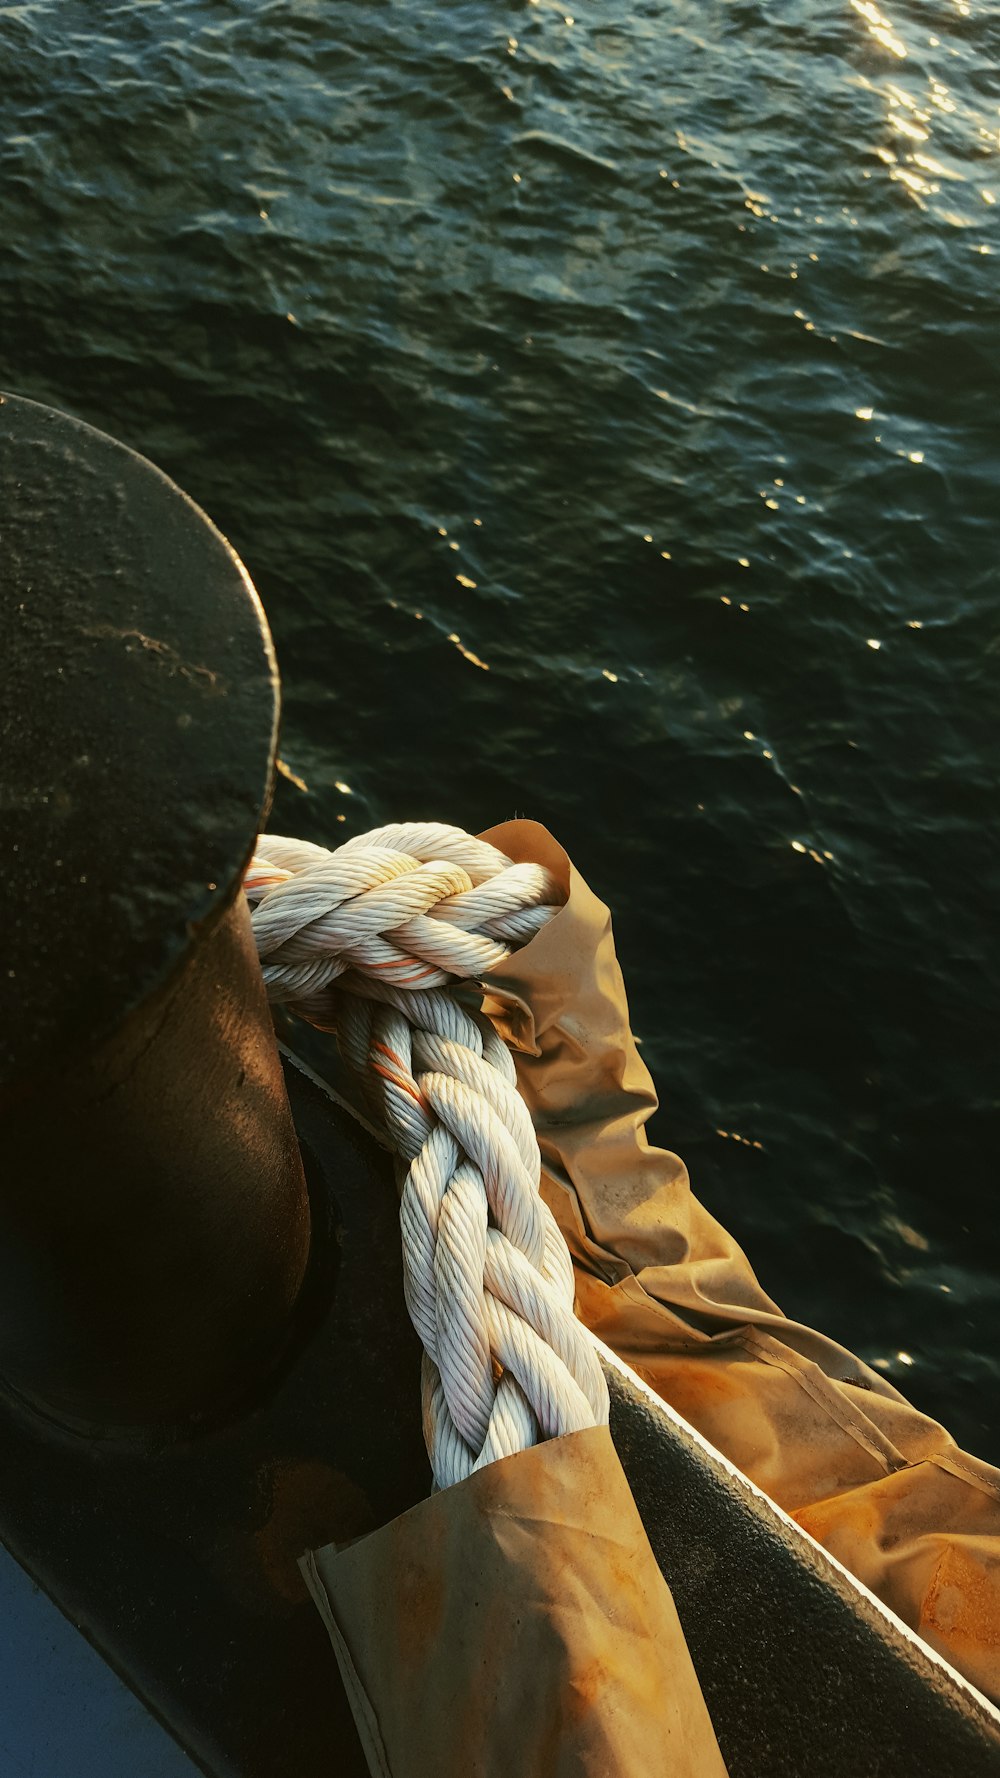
608	409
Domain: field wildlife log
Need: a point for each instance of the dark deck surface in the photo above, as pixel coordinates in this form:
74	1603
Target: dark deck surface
63	1712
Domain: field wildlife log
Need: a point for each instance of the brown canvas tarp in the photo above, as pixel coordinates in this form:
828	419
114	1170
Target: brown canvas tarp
883	1487
517	1623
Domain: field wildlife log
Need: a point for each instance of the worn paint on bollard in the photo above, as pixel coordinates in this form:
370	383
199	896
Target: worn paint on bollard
154	1226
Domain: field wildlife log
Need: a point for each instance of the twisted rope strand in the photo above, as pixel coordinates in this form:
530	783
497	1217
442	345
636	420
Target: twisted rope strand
371	941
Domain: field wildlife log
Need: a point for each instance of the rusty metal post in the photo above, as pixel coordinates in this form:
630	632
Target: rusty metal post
154	1222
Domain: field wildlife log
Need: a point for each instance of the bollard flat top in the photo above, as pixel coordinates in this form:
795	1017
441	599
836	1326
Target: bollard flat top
138	719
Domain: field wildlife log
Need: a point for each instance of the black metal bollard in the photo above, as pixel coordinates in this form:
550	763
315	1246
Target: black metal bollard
154	1222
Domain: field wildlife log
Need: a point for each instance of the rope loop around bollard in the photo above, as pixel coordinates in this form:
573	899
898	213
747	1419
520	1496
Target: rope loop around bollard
370	941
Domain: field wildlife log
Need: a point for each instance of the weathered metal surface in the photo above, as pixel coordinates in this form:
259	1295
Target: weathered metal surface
154	1221
137	732
153	1216
804	1676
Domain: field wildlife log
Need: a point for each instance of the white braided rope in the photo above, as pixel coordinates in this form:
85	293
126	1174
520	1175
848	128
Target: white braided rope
361	941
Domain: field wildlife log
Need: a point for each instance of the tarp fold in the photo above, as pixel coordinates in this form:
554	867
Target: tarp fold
517	1624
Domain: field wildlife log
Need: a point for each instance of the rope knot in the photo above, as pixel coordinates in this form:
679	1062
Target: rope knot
361	941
